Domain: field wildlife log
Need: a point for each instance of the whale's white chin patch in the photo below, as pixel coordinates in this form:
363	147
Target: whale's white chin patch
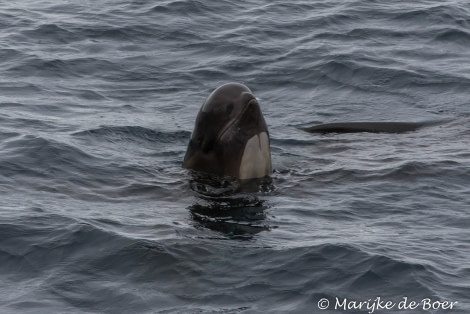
256	159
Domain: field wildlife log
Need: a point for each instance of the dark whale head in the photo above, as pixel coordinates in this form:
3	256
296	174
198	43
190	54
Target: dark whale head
230	137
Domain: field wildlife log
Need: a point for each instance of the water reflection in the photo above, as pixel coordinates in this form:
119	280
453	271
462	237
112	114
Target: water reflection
230	206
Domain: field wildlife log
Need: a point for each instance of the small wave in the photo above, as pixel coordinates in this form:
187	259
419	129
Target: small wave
358	33
34	124
8	56
360	75
133	134
88	174
192	7
75	67
23	88
377	269
8	135
28	238
53	34
40	157
421	169
432	14
56	33
125	33
453	37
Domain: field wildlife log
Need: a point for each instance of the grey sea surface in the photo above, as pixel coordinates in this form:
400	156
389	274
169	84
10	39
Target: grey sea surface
97	103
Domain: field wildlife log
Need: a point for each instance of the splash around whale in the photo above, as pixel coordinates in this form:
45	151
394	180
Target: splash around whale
231	138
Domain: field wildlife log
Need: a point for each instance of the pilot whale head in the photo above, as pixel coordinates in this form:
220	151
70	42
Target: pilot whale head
230	137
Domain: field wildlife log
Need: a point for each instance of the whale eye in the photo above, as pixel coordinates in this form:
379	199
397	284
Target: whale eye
251	107
229	109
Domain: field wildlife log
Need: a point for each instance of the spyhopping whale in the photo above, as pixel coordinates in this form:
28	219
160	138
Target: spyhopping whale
230	136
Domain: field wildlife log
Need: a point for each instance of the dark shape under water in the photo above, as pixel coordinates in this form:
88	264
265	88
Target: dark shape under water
238	217
228	205
373	127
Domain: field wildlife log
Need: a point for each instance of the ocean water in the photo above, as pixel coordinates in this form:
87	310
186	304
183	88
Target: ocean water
97	103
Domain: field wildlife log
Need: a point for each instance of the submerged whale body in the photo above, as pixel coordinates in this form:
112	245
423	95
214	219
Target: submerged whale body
230	137
374	127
